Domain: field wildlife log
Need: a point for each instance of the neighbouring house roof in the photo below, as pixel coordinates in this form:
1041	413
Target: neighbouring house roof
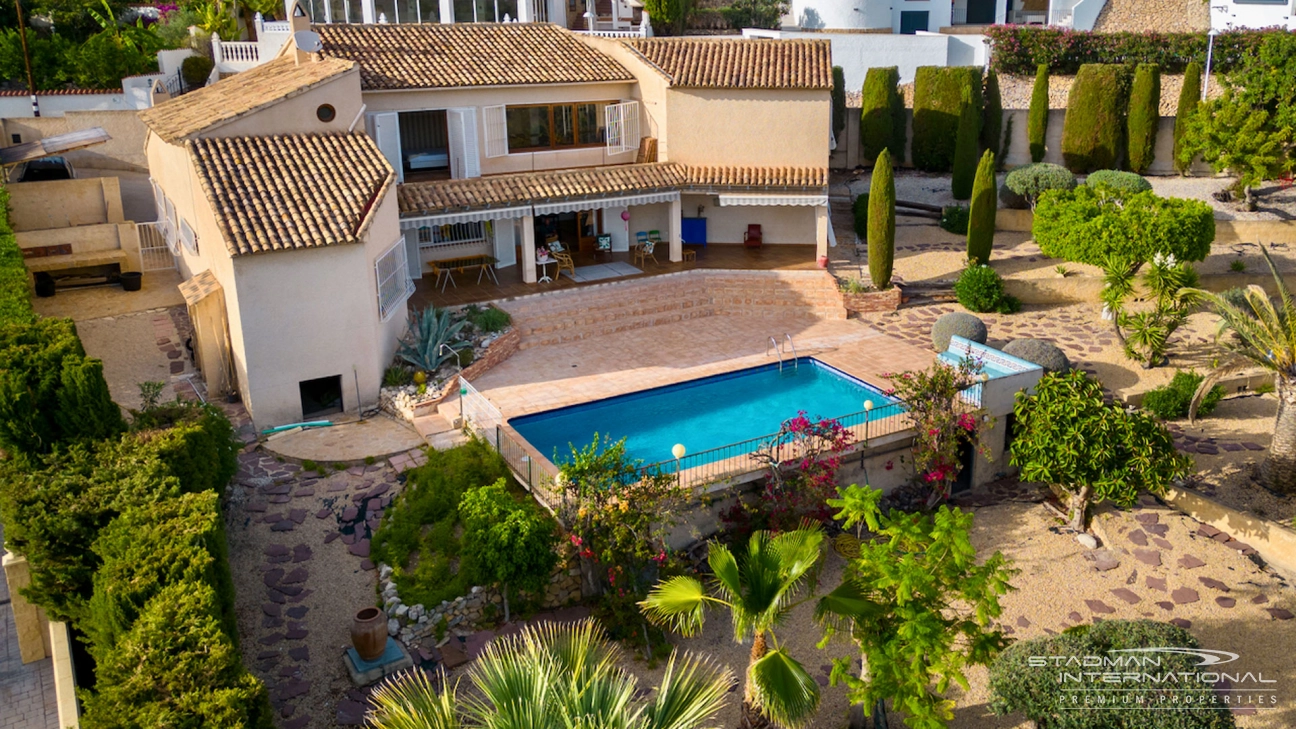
291	192
501	191
455	55
226	100
739	63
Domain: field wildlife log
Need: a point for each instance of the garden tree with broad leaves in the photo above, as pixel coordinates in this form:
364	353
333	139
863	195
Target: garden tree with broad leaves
759	587
1169	299
917	604
510	542
1069	437
1260	331
619	514
942	420
555	675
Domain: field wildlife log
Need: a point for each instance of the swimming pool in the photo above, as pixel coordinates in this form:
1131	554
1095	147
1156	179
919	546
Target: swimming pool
705	413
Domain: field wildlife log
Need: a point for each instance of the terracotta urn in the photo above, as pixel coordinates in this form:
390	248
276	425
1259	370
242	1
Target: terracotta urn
369	633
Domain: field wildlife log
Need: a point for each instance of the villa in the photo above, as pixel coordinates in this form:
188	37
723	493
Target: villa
305	196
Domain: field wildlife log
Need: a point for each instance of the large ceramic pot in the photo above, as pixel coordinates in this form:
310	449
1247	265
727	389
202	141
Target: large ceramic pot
369	633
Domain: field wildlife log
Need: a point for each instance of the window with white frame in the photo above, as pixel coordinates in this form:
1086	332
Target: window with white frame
394	282
622	127
188	236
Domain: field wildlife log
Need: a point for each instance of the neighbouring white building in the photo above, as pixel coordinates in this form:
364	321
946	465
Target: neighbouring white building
1231	14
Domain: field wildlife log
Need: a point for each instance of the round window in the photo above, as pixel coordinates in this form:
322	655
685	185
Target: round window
326	112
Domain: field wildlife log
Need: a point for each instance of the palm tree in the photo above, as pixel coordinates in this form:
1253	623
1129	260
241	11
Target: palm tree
1264	335
759	587
555	676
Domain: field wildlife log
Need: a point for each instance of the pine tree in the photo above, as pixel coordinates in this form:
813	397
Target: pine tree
1038	118
965	148
1143	117
881	222
1189	100
981	216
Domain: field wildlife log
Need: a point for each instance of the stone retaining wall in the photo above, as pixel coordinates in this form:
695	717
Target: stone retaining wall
872	301
402	405
1274	543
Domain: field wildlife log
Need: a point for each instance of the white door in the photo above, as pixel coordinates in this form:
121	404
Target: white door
462	131
412	254
384	129
505	242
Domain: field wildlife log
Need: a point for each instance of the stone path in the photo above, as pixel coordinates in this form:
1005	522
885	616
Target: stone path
26	690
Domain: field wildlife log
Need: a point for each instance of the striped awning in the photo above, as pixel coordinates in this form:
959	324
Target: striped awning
606	202
468	217
731	200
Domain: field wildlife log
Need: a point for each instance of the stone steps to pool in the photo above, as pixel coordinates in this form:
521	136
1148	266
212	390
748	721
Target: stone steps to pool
575	314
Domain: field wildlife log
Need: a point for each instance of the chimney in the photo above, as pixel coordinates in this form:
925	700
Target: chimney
298	16
158	93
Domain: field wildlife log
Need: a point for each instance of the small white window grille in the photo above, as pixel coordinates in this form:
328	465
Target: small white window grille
188	236
496	131
394	282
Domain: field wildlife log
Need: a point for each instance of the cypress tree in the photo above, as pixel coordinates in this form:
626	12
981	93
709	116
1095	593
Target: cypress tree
992	121
838	101
1143	117
981	216
1189	100
1037	120
966	148
881	222
878	120
1093	133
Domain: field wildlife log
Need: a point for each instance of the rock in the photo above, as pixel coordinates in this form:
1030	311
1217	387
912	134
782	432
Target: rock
384	572
957	323
1180	622
1279	613
402	611
1185	595
1225	602
1098	606
1138	537
1041	352
1213	584
393	626
1156	583
1088	541
1127	595
1189	562
1149	557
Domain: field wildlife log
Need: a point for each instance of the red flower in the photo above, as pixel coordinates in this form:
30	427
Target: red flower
889	465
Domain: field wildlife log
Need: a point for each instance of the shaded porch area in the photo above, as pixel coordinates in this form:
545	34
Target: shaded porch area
467	289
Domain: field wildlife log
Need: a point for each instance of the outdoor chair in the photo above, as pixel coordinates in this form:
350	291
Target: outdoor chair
644	251
753	237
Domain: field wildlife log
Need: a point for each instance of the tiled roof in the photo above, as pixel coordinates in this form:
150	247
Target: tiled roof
296	191
437	55
740	64
499	191
199	287
226	100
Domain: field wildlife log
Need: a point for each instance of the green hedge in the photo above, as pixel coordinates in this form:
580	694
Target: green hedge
882	116
967	148
1189	100
1144	117
938	101
1020	50
992	116
1088	224
15	286
1093	133
1038	117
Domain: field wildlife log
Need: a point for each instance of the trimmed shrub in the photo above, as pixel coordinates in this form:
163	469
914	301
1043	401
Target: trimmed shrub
938	102
981	290
176	667
992	119
50	392
1093	133
1143	117
15	283
1011	200
490	319
1041	352
954	218
881	223
196	70
838	101
1171	401
1032	180
1038	118
859	209
882	118
966	149
1189	100
982	211
1125	183
1019	684
1088	225
1019	50
957	323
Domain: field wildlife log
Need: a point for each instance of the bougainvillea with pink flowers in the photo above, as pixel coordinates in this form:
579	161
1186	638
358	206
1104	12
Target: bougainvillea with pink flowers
943	420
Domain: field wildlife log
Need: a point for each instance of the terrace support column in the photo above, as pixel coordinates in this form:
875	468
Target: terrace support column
676	231
528	249
821	231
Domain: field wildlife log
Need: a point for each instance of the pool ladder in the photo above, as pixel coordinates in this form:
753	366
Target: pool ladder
775	346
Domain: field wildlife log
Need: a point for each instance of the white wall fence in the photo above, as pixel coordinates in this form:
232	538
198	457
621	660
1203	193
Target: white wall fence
856	53
16	105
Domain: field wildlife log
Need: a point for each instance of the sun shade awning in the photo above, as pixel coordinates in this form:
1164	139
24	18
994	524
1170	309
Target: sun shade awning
468	217
57	144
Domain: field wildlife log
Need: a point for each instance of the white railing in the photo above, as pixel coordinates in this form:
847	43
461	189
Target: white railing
613	33
958	15
275	26
155	252
240	52
1062	13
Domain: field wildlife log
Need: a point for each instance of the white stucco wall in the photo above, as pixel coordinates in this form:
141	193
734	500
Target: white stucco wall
840	14
856	53
1233	14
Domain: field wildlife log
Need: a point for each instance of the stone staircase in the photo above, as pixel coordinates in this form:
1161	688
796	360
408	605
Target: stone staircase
577	314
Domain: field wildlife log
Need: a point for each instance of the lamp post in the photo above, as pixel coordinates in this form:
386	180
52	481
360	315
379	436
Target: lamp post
678	451
1210	52
868	408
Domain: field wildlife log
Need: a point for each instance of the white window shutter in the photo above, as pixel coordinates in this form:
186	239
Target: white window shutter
496	131
412	256
393	278
384	127
461	128
189	237
622	127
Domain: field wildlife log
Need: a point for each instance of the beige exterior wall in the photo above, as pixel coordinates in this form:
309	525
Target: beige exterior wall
779	224
440	99
297	115
749	127
649	89
125	151
65	203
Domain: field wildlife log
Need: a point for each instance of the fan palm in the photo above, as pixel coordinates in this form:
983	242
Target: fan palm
759	588
1264	335
555	676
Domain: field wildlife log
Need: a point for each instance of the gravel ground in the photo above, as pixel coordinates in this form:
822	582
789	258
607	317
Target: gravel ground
141	347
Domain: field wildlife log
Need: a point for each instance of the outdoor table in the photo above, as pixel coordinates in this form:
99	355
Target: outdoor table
484	264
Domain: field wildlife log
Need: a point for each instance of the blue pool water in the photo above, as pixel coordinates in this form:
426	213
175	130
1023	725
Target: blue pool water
703	414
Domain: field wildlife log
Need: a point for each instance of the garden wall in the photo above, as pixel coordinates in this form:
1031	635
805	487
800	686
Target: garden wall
1275	543
125	151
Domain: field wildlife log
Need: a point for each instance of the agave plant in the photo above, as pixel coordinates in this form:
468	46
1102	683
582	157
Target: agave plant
429	330
555	675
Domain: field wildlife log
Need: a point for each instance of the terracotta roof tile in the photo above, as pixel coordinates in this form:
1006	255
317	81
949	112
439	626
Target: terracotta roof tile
288	192
226	100
740	63
500	191
437	55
